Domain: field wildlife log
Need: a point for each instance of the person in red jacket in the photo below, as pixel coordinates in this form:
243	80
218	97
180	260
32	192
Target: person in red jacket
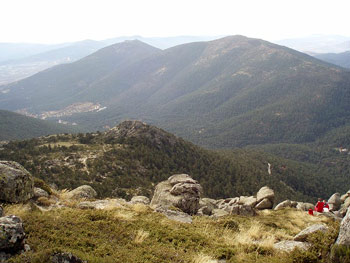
319	206
326	206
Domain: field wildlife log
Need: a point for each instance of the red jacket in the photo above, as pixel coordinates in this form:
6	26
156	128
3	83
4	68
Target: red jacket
319	206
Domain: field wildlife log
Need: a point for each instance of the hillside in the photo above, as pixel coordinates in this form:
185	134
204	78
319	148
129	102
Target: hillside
233	91
52	88
130	158
340	59
14	126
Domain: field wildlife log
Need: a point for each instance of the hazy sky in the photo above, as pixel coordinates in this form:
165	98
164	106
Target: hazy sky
53	21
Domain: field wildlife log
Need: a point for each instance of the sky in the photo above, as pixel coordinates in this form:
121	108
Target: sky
57	21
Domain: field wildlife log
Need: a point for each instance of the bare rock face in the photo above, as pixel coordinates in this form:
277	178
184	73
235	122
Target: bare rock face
290	245
304	234
334	202
11	234
16	183
82	192
344	232
180	191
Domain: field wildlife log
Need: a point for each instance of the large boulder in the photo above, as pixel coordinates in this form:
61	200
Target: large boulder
16	183
304	234
344	232
11	234
264	204
334	202
265	193
179	191
82	192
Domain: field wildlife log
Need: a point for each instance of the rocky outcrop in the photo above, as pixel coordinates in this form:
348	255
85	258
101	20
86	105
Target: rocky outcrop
304	234
265	198
344	232
82	192
179	191
334	202
206	206
140	200
11	235
64	257
290	245
16	183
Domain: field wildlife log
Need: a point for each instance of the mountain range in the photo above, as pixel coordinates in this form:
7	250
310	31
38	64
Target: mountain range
340	59
21	60
233	91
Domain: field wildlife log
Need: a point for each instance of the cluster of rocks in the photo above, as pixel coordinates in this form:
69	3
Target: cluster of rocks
16	185
182	192
178	198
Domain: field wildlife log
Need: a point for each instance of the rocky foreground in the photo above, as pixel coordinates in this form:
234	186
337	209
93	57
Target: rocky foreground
40	224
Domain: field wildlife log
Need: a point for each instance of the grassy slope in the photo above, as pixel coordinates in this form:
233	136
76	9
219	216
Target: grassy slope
136	234
16	126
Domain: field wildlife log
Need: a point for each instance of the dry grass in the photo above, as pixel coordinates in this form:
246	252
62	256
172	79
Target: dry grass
17	209
201	258
141	235
44	201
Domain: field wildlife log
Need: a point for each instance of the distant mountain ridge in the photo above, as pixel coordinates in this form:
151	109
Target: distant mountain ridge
340	59
233	91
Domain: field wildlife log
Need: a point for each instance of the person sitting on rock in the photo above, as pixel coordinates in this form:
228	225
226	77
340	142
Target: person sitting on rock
325	207
319	206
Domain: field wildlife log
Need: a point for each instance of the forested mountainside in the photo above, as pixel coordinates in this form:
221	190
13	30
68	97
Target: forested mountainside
130	158
233	91
16	126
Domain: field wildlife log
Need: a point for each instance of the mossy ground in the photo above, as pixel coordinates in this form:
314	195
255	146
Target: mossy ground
137	234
